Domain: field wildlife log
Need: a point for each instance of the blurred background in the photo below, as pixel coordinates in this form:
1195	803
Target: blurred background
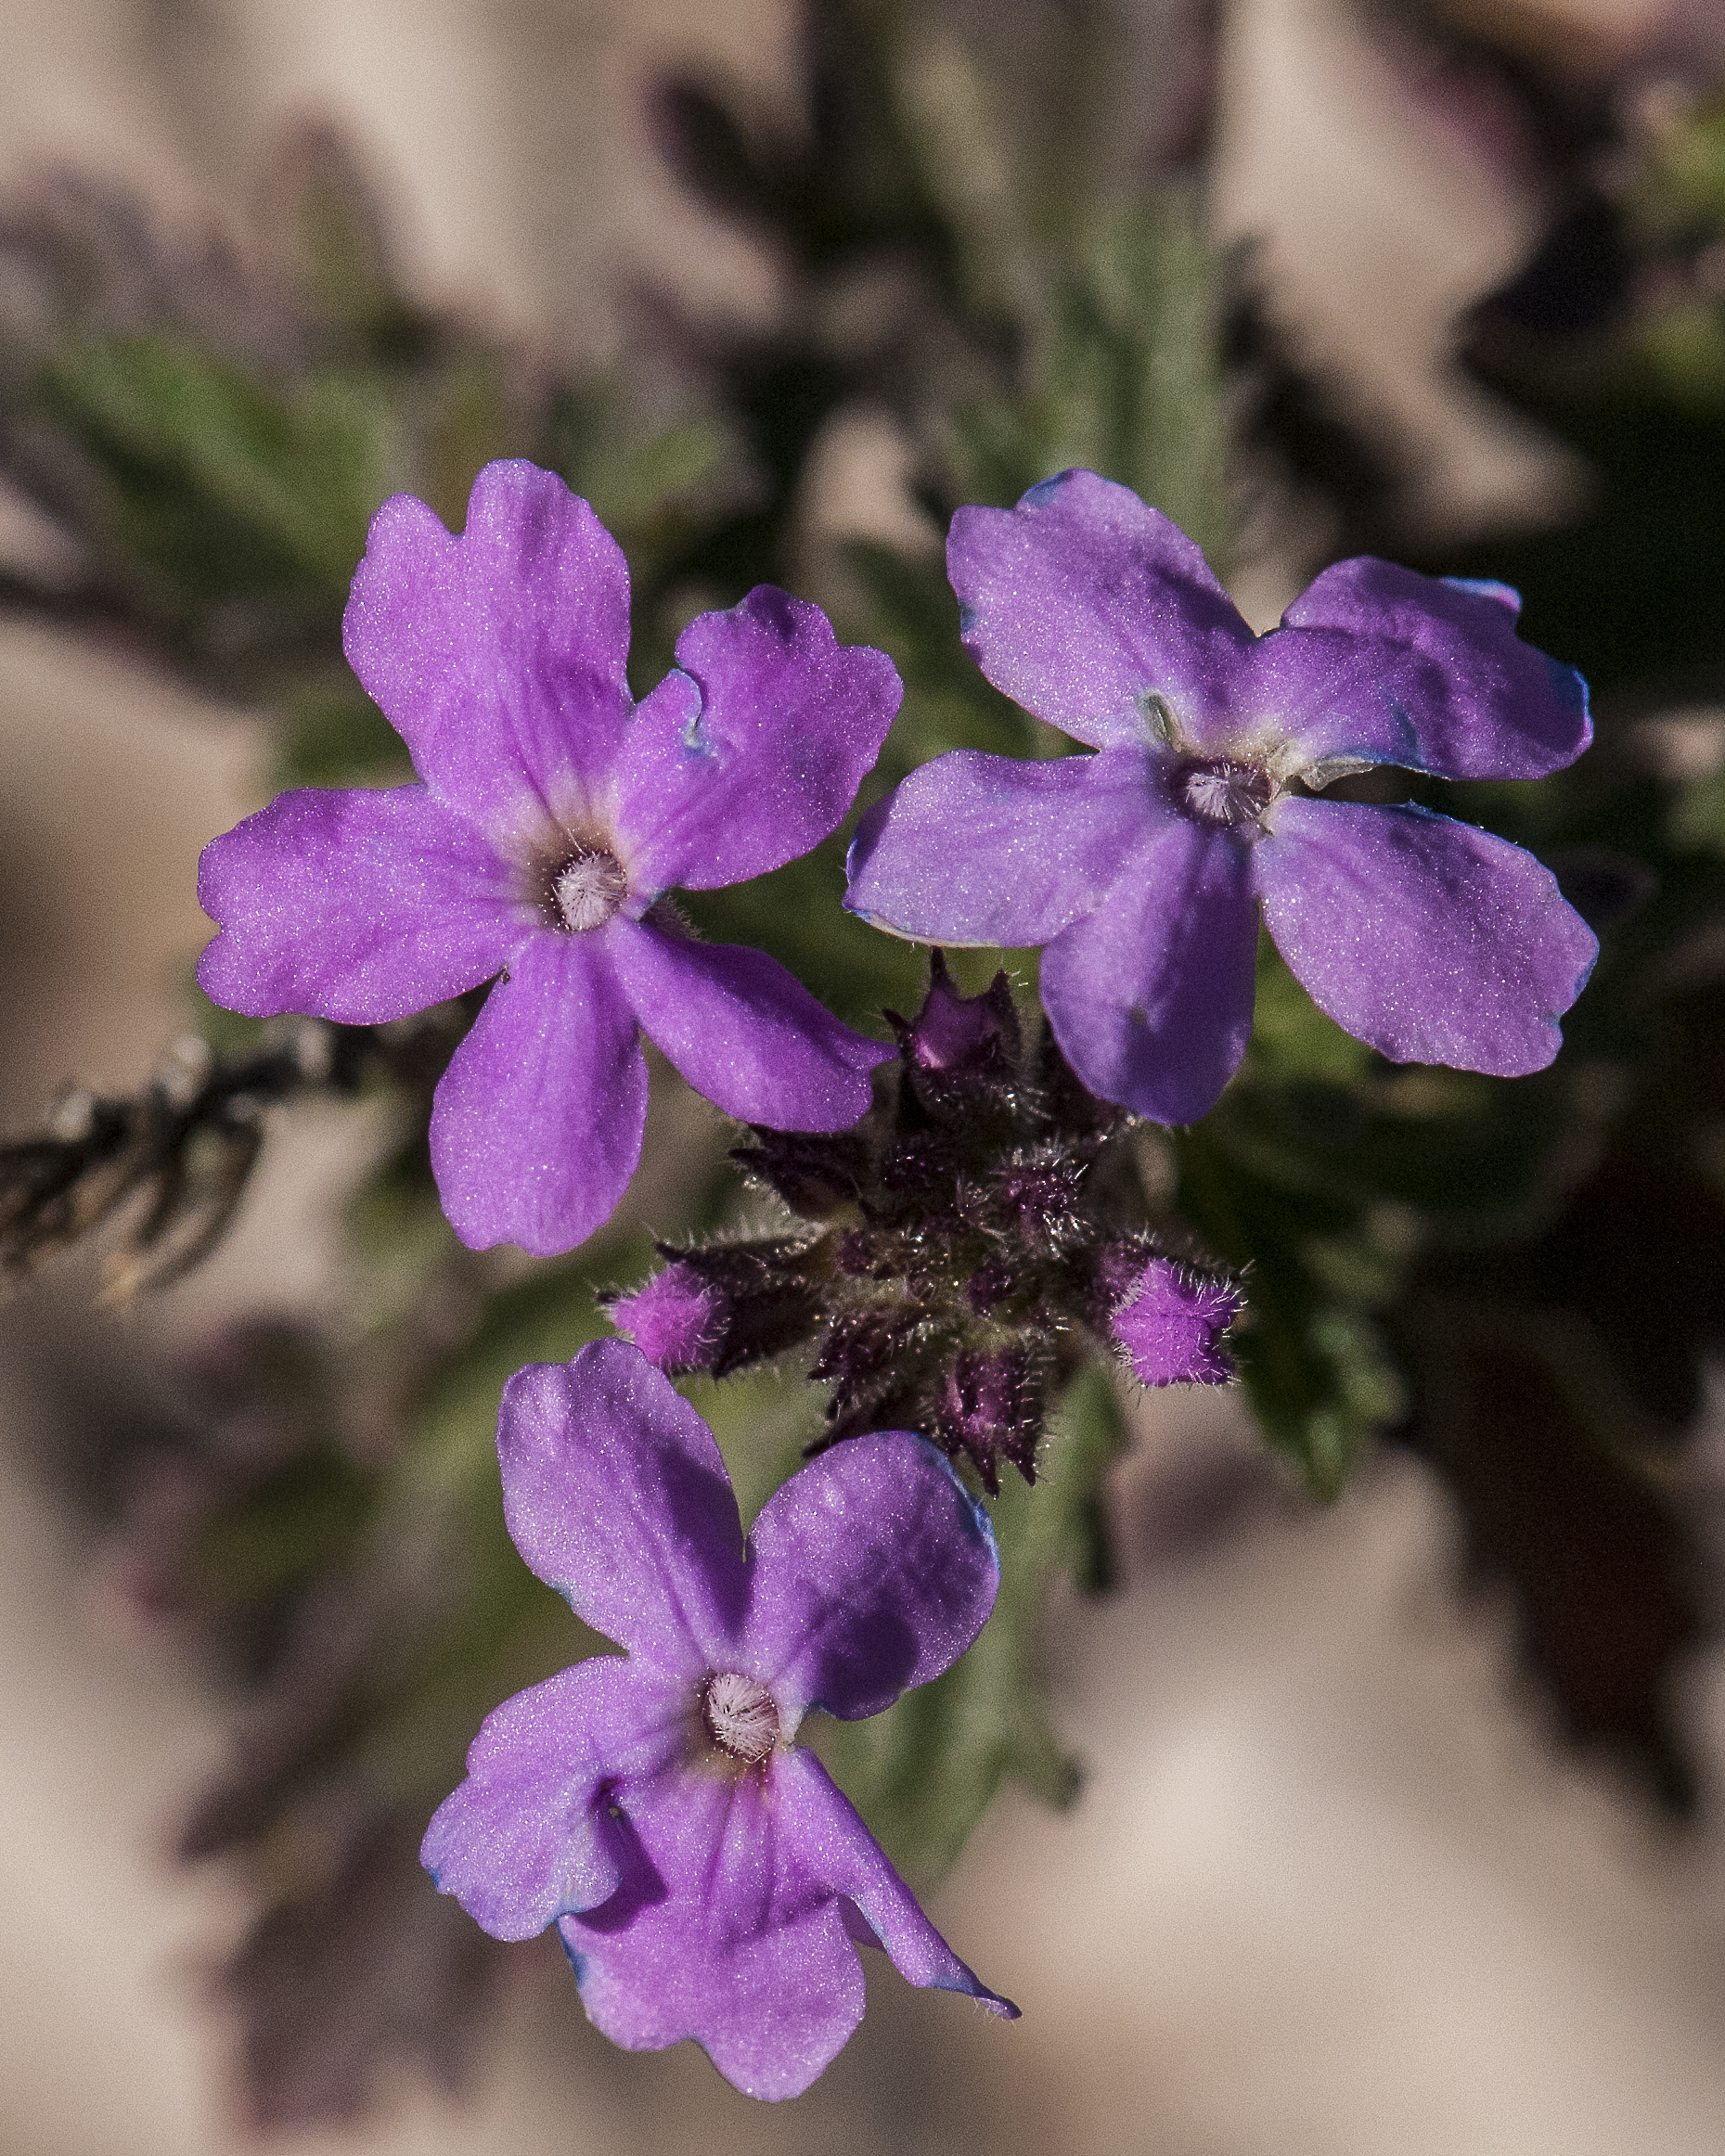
1352	1868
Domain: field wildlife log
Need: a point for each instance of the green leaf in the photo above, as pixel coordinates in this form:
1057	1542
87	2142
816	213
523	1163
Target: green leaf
222	482
1310	1353
1126	381
334	735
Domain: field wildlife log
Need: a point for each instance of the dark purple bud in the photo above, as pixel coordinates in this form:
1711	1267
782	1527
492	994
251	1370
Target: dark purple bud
989	1408
1068	1102
925	1167
993	1281
962	1036
814	1174
1170	1321
1035	1194
858	1254
861	1351
676	1319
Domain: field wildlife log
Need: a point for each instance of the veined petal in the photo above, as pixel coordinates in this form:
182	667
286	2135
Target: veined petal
720	1932
356	906
1433	942
753	752
1150	996
497	656
517	1843
537	1125
745	1033
1380	664
980	849
874	1569
824	1833
615	1494
1083	601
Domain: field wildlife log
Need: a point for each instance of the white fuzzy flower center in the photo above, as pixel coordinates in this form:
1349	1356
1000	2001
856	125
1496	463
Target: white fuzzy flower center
588	890
1220	791
741	1716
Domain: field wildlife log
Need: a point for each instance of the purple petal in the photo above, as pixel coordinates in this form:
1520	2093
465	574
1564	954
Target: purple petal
498	657
824	1833
1150	996
730	1925
358	907
1170	1322
874	1569
615	1494
518	1844
1433	942
536	1125
979	849
721	1932
743	1032
1379	663
753	753
1083	601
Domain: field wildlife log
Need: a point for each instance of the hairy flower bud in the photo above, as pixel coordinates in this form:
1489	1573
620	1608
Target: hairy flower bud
974	1037
979	1232
814	1174
989	1408
1035	1194
1170	1321
864	1357
676	1319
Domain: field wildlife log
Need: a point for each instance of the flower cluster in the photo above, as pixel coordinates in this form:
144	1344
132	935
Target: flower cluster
964	1251
960	1236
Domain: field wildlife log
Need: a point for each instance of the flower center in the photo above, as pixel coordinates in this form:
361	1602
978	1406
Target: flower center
1218	791
741	1716
588	890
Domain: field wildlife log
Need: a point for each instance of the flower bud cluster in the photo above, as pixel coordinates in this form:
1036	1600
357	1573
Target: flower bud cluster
959	1255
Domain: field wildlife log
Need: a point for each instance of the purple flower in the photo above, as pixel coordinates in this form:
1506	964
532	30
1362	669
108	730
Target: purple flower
706	1877
1170	1321
552	811
1143	867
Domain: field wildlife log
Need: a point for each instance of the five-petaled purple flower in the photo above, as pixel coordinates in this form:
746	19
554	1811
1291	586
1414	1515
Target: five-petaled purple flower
706	1877
552	811
1143	867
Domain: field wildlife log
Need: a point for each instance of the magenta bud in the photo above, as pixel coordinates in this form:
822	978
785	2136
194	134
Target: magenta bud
1170	1321
959	1034
676	1319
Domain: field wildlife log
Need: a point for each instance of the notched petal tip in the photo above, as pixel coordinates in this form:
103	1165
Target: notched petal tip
1487	588
1430	940
1379	661
760	756
1046	490
977	1519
